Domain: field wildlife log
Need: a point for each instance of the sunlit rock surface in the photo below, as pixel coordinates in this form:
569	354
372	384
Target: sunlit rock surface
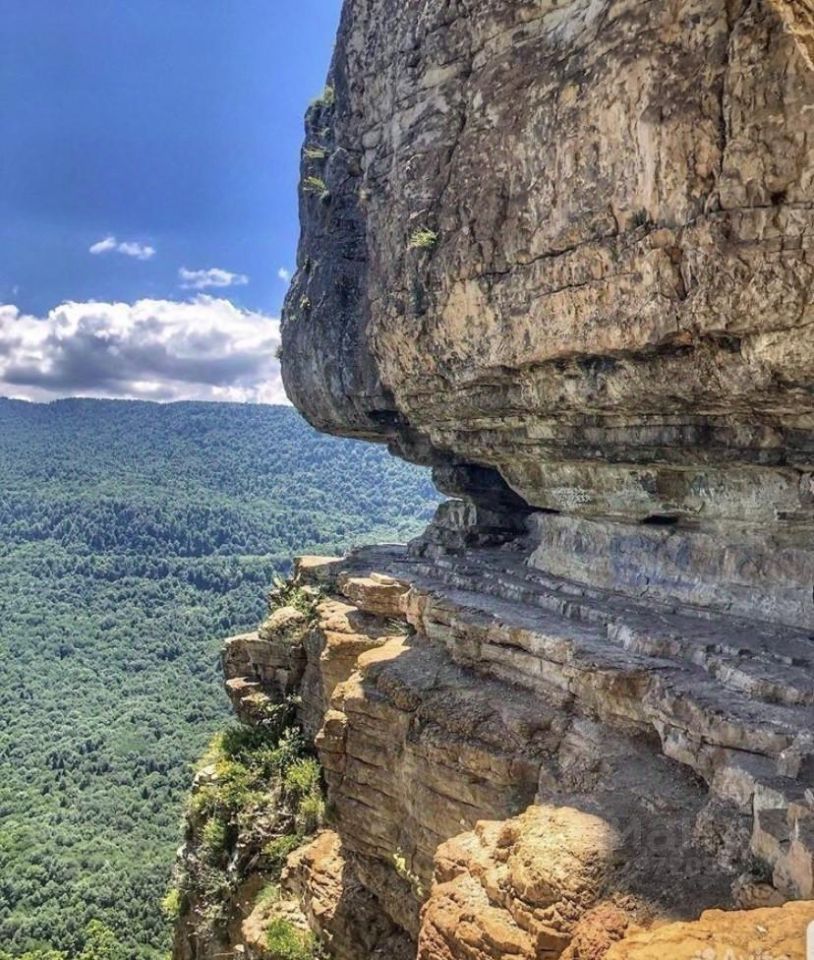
562	253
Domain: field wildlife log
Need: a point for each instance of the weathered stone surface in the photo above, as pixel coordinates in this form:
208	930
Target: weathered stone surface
622	688
517	887
610	313
742	572
521	766
510	688
594	934
562	253
772	932
591	197
350	919
377	593
414	751
267	666
340	634
320	891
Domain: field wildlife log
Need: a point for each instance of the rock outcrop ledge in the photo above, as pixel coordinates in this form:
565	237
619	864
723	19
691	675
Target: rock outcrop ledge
518	767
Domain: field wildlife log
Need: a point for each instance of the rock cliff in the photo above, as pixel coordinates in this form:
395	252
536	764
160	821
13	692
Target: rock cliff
507	778
561	251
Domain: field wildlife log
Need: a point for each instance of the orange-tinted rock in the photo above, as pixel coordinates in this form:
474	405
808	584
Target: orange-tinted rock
778	933
517	888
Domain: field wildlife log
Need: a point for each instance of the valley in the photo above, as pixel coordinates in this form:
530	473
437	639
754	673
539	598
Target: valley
133	538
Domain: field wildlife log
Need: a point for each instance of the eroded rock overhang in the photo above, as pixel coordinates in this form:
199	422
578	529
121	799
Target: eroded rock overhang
562	253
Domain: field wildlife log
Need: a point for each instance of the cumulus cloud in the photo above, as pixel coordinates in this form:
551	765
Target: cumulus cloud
214	277
129	248
284	274
205	348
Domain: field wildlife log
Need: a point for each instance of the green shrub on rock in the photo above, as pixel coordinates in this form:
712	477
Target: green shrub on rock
214	840
310	813
171	904
257	797
276	852
302	778
286	942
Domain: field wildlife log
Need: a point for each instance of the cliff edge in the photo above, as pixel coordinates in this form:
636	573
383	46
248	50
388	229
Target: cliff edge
561	252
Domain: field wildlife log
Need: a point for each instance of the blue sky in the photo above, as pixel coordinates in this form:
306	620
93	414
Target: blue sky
163	135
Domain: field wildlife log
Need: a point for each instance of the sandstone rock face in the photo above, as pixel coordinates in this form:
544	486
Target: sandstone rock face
339	905
266	666
343	632
562	252
518	886
520	766
778	932
541	767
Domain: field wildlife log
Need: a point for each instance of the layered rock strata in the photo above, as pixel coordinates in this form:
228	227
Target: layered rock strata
517	765
561	252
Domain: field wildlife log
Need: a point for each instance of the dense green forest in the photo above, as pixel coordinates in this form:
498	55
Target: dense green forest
133	537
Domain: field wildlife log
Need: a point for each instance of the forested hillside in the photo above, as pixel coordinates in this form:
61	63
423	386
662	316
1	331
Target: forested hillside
133	537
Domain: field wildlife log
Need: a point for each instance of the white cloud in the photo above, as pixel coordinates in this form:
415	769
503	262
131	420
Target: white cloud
104	246
206	348
141	251
214	277
129	248
284	274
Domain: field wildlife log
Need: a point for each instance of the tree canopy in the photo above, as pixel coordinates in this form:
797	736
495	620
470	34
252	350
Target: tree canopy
133	538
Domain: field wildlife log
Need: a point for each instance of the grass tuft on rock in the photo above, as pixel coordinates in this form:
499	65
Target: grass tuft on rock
285	942
423	239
